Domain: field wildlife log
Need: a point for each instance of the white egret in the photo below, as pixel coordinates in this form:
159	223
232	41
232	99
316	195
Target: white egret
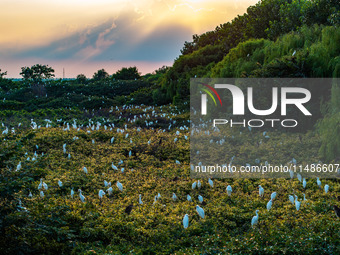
120	186
255	219
158	195
109	191
72	193
299	177
318	182
199	185
42	194
193	186
30	194
101	194
261	191
269	205
85	169
60	183
297	203
45	186
291	199
140	199
81	196
229	190
326	188
40	184
291	173
273	196
188	197
211	183
200	199
114	167
200	211
19	166
186	221
174	197
304	183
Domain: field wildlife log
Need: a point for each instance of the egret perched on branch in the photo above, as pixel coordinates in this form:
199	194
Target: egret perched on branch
211	183
45	186
19	166
85	169
140	199
81	196
255	219
72	193
199	185
291	173
269	205
304	183
189	198
120	186
109	191
101	194
291	199
174	197
299	177
114	167
193	186
158	195
40	184
273	196
186	221
318	182
60	183
261	191
229	190
297	203
326	188
200	211
200	199
30	194
42	194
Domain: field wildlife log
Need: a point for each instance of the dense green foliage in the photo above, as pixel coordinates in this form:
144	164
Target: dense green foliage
59	223
37	73
275	38
127	73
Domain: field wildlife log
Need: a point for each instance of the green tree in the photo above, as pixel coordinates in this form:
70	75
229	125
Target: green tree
127	73
81	78
2	74
37	72
100	75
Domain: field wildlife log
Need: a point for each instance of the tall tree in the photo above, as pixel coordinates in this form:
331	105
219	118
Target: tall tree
37	72
100	75
127	73
2	74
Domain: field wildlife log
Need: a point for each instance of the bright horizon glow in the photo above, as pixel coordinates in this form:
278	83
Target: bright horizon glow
65	32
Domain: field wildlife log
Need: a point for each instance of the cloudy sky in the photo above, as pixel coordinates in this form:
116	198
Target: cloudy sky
83	36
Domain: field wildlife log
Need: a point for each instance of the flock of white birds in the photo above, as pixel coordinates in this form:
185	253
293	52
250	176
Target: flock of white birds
109	189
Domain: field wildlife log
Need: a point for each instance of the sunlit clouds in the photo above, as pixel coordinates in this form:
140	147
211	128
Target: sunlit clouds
85	32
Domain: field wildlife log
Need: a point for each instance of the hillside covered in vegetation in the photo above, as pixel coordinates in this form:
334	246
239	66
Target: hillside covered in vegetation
128	136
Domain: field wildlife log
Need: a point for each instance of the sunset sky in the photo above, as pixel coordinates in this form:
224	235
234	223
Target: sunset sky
83	36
